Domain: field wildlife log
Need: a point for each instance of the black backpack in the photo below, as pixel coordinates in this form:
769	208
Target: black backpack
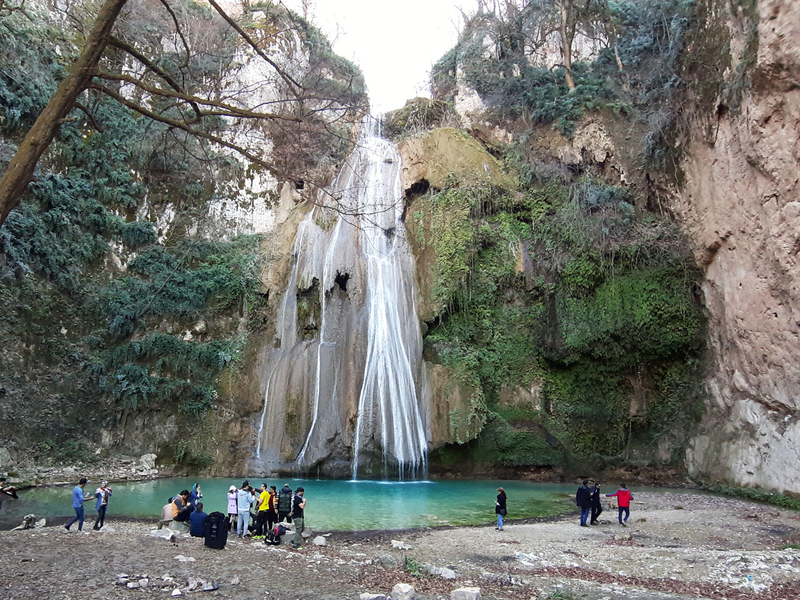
216	531
285	502
274	536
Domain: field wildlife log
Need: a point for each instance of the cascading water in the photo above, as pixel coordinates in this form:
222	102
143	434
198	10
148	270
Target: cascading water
346	386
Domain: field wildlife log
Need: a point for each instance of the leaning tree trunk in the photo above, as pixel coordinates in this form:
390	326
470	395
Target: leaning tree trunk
566	30
20	172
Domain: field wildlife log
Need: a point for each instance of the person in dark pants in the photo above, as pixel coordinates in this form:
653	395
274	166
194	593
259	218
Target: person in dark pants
597	508
500	508
285	504
181	509
583	498
197	521
272	509
262	505
297	515
624	498
78	498
103	493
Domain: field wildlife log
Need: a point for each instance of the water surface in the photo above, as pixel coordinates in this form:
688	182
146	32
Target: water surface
331	505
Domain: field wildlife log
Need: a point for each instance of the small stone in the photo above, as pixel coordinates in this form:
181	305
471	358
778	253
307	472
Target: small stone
403	591
210	586
320	541
442	572
466	593
176	592
192	584
132	585
398	545
368	596
235	580
623	536
122	581
387	560
143	583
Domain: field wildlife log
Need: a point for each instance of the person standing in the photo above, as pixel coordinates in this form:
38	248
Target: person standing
233	506
78	498
624	498
597	507
272	508
500	508
103	493
244	499
583	498
285	504
298	518
262	507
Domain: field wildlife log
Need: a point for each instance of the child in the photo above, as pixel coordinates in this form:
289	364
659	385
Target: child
624	498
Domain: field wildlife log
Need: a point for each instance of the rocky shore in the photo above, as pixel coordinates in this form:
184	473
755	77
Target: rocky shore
676	546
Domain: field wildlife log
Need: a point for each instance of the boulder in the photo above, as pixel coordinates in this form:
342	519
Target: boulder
403	591
148	461
387	560
443	572
466	593
164	534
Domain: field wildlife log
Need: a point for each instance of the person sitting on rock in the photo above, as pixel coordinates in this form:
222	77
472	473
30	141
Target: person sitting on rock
197	521
181	509
166	514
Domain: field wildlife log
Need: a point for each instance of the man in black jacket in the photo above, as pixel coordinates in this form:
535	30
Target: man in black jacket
583	498
597	508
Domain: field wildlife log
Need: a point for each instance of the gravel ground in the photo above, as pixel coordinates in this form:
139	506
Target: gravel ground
676	546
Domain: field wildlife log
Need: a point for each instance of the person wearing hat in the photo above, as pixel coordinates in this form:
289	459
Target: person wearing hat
233	507
103	493
297	516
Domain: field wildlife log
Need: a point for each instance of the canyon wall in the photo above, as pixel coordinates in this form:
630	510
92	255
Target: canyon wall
741	207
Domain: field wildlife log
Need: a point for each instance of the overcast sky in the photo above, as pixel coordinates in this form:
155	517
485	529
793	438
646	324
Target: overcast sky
395	42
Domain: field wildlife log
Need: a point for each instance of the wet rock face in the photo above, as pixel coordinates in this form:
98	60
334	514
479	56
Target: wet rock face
741	207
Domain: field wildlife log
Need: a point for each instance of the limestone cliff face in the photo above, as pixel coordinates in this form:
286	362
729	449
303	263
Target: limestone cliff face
741	207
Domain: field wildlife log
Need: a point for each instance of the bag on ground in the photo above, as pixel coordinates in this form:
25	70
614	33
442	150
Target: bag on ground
216	531
274	536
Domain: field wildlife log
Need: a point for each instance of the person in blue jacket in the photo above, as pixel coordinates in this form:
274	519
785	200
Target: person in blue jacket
197	521
78	498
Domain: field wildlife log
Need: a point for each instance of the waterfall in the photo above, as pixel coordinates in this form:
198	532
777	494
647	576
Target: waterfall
350	344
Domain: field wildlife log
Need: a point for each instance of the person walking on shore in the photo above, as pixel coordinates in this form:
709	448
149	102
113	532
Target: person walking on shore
298	518
103	493
244	498
78	498
500	508
597	507
624	498
583	498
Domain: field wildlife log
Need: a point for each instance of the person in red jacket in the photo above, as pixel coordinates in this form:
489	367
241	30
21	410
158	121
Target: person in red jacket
624	498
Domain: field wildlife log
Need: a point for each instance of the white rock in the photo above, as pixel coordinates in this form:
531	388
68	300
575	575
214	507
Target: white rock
397	544
466	593
442	572
148	461
164	534
40	523
235	580
132	585
403	591
320	541
176	592
367	596
143	583
183	558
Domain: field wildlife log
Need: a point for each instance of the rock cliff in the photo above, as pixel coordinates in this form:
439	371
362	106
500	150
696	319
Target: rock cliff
741	207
